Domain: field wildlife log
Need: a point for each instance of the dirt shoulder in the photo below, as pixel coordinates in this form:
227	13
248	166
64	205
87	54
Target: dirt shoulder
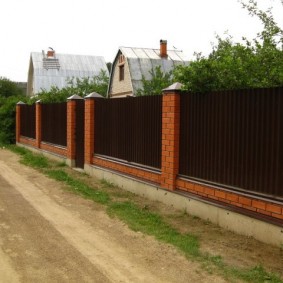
49	234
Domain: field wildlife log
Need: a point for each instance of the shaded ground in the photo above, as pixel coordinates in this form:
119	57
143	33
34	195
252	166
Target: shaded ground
48	234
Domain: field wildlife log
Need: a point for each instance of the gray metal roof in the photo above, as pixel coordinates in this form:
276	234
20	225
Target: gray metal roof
143	60
55	72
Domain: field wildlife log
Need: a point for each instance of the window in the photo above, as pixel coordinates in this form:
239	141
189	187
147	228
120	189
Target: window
121	72
121	64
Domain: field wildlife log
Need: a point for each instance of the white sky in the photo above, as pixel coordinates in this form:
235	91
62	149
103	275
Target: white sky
100	27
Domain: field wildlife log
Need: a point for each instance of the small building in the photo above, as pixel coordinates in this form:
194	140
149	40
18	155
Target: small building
132	64
52	69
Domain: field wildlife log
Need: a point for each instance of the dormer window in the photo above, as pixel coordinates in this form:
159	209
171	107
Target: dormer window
121	73
121	59
121	64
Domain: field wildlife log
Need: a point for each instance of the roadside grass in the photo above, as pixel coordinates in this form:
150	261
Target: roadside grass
79	187
139	219
143	219
30	159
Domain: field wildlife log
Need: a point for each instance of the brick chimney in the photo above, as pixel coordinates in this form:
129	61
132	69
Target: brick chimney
163	48
50	53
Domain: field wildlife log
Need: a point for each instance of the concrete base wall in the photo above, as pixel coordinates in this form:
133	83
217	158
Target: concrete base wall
233	221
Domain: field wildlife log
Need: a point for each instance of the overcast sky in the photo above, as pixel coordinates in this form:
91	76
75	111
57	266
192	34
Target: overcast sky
100	27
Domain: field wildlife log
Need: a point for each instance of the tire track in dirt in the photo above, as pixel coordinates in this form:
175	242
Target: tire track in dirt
114	262
57	236
31	250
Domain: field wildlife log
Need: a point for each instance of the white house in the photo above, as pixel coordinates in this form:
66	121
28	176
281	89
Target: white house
52	69
131	64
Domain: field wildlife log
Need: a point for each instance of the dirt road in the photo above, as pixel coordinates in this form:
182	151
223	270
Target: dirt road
48	234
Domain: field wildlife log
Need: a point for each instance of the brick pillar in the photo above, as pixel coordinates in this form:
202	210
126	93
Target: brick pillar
38	123
170	136
89	126
71	128
18	120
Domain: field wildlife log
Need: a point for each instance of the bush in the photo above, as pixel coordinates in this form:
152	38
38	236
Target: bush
8	118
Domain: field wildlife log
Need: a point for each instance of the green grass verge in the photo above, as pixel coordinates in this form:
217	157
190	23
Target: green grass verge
79	187
30	159
143	220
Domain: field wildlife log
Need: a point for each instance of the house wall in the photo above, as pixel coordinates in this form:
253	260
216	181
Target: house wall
121	88
30	79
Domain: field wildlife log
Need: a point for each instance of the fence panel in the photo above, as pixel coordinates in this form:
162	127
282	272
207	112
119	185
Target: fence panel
129	129
233	138
54	123
27	121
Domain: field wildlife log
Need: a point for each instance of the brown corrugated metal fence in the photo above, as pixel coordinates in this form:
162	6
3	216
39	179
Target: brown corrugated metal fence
234	138
79	132
129	129
54	123
28	121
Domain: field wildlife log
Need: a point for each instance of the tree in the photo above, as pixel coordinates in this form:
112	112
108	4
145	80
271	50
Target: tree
77	86
156	84
251	64
10	94
9	88
109	65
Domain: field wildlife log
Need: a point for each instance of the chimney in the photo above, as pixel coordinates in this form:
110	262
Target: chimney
163	48
50	53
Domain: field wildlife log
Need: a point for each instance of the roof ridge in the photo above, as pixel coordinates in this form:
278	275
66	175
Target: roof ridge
178	50
68	54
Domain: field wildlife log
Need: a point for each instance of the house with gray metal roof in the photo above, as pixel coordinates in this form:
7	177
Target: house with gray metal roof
132	64
54	69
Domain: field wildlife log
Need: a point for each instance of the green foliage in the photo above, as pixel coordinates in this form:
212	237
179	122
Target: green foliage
81	87
33	160
151	223
156	84
79	187
8	118
10	95
9	88
251	64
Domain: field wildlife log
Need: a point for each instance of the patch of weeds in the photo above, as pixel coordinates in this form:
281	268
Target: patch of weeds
150	223
18	149
58	175
31	159
106	183
61	164
255	274
215	260
79	187
35	161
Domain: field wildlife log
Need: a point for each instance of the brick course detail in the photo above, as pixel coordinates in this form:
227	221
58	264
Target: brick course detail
27	141
54	149
263	207
129	170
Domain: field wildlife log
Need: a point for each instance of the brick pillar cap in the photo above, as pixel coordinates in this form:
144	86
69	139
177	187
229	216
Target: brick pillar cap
38	101
94	95
175	86
74	97
20	103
